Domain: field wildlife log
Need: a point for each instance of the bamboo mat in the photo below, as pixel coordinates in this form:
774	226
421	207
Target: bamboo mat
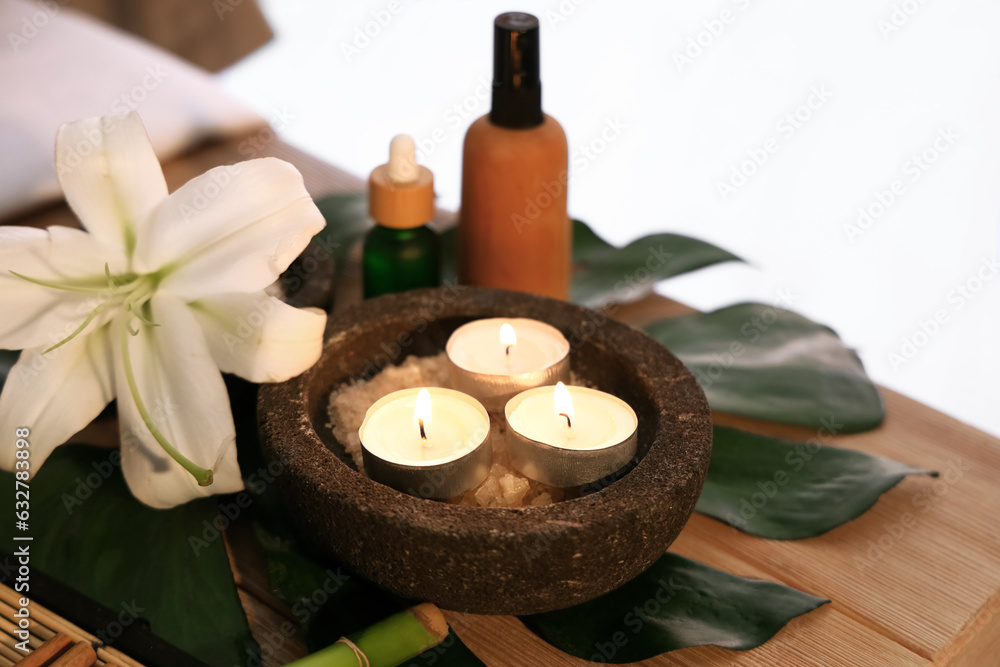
44	625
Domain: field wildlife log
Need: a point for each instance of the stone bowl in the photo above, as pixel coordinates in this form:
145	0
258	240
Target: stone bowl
490	560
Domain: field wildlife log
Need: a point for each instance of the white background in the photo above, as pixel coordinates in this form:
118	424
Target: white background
895	76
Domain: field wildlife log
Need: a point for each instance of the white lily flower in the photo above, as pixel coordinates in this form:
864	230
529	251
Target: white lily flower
148	304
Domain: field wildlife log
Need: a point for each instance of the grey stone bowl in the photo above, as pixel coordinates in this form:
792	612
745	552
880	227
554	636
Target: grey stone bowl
490	560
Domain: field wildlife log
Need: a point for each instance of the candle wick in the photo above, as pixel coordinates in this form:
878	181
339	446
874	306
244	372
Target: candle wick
569	422
423	433
508	349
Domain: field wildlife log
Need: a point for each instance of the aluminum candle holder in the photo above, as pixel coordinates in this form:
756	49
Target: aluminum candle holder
569	466
439	482
487	381
450	474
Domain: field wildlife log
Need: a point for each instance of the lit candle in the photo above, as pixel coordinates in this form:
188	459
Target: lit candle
569	436
431	442
495	359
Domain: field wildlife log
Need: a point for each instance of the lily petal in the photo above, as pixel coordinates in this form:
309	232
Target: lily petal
232	229
55	395
183	392
258	337
34	315
110	176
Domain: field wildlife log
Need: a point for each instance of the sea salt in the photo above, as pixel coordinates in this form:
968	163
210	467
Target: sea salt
503	487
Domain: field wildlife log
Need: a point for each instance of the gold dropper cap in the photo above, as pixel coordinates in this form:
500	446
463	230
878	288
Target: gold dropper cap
401	192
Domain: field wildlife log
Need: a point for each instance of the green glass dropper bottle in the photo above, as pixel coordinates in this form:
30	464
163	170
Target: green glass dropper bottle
401	252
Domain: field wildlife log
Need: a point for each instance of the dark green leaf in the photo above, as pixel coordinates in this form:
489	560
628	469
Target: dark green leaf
787	490
92	535
347	222
606	274
674	604
765	362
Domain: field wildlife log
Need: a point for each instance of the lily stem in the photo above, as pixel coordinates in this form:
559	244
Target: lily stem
202	475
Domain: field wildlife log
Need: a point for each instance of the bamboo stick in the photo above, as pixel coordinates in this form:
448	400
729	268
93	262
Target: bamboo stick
388	643
10	653
37	628
47	651
11	629
81	655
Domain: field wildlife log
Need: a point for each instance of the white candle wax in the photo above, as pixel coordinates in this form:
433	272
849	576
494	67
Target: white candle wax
457	425
479	347
598	420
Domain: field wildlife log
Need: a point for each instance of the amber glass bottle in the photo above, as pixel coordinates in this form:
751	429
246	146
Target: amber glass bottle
514	232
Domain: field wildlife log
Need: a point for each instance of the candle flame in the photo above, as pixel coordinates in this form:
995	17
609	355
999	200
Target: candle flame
564	404
507	337
422	413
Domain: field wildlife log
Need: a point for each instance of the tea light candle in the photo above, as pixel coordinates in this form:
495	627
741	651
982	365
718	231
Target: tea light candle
495	359
431	442
569	436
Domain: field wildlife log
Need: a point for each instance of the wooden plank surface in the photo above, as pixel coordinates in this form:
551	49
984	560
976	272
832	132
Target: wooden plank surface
914	581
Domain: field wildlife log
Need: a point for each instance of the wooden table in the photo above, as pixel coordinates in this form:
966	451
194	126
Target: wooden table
914	581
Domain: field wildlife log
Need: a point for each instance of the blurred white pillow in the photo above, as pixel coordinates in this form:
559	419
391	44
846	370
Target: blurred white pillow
57	66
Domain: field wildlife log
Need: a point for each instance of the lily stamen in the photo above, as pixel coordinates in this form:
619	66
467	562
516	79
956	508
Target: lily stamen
66	287
90	318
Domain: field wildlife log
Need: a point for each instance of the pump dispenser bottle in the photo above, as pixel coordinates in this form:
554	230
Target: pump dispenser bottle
401	252
514	232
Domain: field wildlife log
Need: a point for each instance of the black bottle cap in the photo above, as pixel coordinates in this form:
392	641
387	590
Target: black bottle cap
517	87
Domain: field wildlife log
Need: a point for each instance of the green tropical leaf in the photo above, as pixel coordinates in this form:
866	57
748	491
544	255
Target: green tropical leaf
347	222
169	566
788	490
605	274
765	362
675	604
